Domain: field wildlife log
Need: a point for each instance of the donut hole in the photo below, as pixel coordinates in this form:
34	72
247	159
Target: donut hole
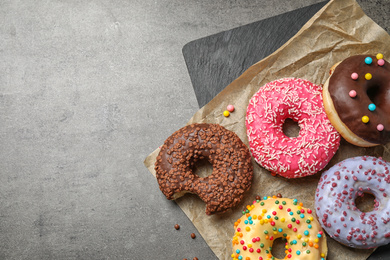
365	202
291	128
373	94
279	248
202	168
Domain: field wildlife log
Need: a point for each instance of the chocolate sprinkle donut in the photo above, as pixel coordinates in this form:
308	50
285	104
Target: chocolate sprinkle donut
232	167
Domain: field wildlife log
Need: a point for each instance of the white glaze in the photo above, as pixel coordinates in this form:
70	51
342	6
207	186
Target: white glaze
335	202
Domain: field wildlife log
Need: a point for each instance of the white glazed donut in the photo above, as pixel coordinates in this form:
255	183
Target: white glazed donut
335	202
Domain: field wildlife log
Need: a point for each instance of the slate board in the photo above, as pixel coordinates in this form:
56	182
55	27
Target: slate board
213	62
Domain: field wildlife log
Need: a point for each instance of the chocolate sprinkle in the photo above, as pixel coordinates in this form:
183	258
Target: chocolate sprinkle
231	160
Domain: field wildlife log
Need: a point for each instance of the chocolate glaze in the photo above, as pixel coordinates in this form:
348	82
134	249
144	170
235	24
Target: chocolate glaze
231	160
376	90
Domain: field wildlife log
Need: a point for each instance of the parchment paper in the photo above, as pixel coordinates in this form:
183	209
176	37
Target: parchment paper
340	29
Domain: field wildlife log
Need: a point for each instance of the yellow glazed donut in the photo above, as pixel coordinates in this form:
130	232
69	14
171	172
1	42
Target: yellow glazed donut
271	218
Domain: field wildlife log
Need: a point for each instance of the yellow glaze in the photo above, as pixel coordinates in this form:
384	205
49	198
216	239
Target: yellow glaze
272	218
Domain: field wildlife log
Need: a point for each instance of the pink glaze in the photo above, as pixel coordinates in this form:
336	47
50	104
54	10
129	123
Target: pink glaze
335	202
290	157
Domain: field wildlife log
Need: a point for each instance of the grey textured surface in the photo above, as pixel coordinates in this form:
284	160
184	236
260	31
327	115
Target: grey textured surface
87	90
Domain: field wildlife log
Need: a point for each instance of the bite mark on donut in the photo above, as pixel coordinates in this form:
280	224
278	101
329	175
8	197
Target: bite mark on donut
232	170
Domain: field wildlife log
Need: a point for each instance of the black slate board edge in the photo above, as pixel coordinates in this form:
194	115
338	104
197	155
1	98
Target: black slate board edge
213	62
187	45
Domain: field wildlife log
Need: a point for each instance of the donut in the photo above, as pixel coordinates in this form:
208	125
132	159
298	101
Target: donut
290	157
231	160
335	202
267	220
357	99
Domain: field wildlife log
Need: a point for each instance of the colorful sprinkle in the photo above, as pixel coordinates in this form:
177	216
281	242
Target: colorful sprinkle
368	60
307	235
230	108
365	119
379	56
368	76
354	76
371	107
380	127
226	113
381	62
352	93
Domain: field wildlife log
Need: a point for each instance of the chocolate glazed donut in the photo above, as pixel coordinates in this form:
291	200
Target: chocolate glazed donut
357	99
232	167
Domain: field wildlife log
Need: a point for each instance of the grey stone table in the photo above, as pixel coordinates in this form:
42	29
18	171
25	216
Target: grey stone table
87	90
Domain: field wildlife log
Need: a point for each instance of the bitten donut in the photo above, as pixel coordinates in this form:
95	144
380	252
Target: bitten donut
335	202
290	157
357	100
272	218
232	167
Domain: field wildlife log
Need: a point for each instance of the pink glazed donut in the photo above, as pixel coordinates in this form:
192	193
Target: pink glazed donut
290	157
335	202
